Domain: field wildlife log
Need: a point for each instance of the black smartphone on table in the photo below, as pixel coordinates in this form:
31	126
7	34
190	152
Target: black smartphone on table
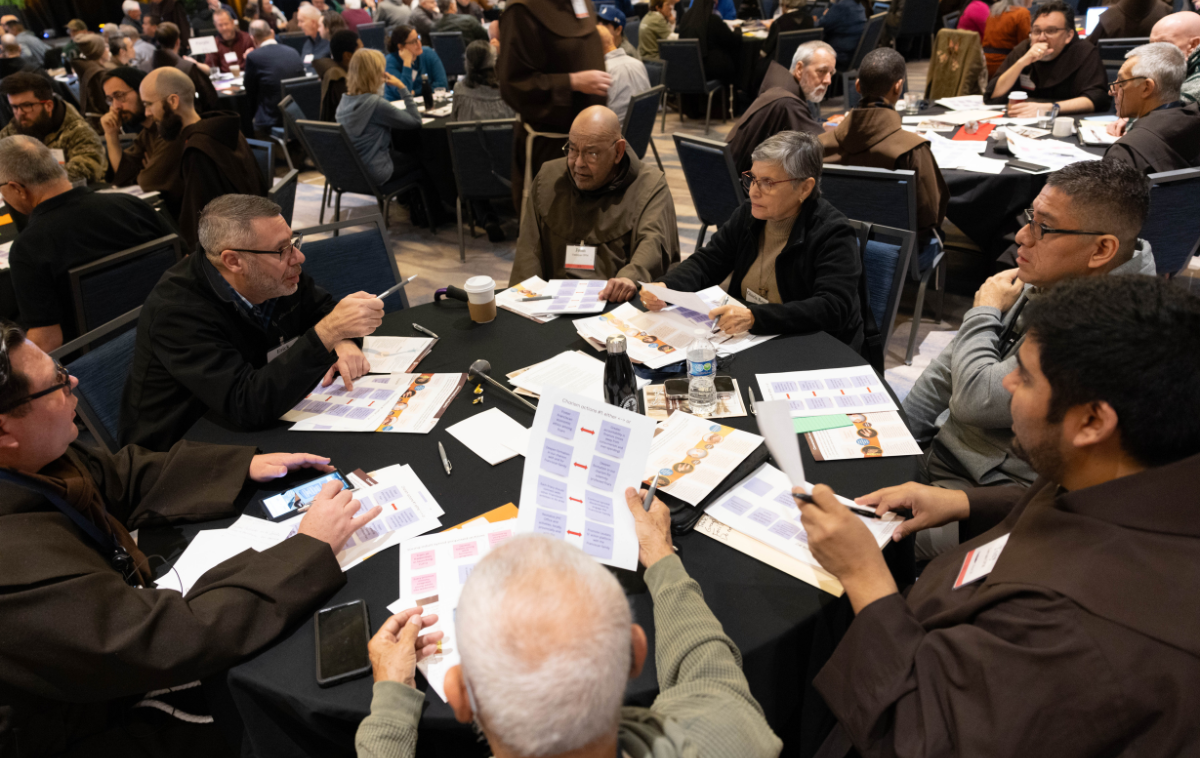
342	633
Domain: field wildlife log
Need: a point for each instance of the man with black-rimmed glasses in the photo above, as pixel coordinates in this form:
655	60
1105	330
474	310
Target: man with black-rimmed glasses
239	330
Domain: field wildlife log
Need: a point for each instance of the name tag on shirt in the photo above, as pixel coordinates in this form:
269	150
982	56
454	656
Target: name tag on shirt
58	155
581	257
231	57
308	59
1027	82
755	298
580	8
281	349
980	562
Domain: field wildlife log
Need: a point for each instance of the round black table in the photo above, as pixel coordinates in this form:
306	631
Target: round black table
784	628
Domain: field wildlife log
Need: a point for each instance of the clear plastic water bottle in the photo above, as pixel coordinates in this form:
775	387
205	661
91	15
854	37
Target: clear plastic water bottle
702	369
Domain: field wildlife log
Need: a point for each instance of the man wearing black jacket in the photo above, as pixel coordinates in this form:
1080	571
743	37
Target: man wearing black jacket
238	330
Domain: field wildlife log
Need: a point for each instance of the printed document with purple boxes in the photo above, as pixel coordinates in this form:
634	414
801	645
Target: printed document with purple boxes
582	456
828	392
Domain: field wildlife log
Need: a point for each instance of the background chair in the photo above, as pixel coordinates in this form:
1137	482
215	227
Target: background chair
305	91
100	360
655	70
450	47
632	27
712	180
789	41
355	262
852	97
918	19
294	40
1171	227
264	154
372	36
344	170
950	20
638	129
684	75
292	114
481	153
1114	49
888	198
116	284
886	257
283	194
869	39
767	8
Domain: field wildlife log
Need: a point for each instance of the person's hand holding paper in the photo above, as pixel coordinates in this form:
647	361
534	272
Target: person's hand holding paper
653	527
930	506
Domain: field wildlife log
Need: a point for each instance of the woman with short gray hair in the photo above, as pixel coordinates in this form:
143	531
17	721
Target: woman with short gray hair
792	256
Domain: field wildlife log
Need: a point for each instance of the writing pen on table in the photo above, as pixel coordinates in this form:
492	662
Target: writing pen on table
445	461
860	510
750	393
538	297
397	288
420	328
717	320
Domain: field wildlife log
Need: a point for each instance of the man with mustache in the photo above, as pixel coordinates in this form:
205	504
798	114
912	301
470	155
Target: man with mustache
150	161
39	113
238	329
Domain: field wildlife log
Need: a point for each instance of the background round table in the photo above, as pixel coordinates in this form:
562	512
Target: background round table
785	629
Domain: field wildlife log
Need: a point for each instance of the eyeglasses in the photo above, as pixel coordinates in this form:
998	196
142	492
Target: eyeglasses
28	107
764	185
61	375
591	156
413	41
1048	32
293	244
1041	230
118	97
1113	87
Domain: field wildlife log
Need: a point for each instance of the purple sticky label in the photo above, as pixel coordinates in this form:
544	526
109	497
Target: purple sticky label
556	458
602	474
598	507
784	529
551	523
781	388
598	541
737	505
612	439
563	422
763	516
552	493
758	487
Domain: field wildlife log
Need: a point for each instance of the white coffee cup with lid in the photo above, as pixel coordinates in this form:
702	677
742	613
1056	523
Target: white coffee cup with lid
481	298
1013	99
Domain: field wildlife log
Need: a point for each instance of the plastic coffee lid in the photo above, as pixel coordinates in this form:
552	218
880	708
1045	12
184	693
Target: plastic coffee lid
1018	95
480	284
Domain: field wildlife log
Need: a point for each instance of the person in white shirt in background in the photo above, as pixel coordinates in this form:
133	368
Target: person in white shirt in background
628	74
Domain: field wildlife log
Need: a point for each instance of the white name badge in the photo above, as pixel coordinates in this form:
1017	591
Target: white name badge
581	257
980	562
281	349
755	298
580	8
231	57
1027	82
308	59
58	155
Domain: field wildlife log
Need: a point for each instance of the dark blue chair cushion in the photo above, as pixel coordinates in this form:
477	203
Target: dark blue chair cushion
355	262
880	260
101	374
927	254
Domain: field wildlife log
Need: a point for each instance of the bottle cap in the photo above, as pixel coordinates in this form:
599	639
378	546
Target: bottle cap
615	344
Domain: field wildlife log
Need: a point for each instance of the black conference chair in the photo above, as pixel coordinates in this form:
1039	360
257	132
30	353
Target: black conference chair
1170	226
655	71
294	40
918	19
264	154
684	75
100	360
852	96
950	20
869	39
886	257
1115	48
785	49
116	284
889	198
359	261
283	194
305	91
767	8
450	47
344	170
632	27
638	129
481	154
711	179
373	36
292	114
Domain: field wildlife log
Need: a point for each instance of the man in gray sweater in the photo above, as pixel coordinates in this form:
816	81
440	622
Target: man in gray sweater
1085	222
547	677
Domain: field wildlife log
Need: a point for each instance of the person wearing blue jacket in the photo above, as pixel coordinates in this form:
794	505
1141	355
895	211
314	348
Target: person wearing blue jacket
726	9
408	61
843	23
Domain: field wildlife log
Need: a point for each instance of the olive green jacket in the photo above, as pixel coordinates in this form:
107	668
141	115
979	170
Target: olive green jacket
82	149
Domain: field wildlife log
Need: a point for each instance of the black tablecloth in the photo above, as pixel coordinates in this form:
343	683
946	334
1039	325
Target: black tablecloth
785	628
8	296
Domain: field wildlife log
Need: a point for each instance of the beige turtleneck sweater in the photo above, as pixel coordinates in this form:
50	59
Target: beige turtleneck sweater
771	241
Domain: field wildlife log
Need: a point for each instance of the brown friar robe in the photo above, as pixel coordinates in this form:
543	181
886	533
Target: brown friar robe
76	637
207	98
1082	641
216	161
544	43
779	76
1165	139
152	163
333	86
776	110
91	85
630	222
1129	18
1076	72
872	136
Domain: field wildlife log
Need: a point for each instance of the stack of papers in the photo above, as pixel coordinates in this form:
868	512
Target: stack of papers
571	296
1093	133
965	103
828	392
962	155
691	456
396	355
5	249
403	403
1049	153
510	299
875	435
573	372
659	405
492	435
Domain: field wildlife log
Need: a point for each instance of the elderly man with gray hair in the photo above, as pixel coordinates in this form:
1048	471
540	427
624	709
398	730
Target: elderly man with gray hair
1162	132
787	103
792	257
548	644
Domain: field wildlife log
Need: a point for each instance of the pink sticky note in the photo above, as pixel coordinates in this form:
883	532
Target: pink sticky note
466	550
424	583
424	559
495	538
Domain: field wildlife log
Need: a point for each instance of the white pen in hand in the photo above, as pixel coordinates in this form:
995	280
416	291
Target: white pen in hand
397	288
717	320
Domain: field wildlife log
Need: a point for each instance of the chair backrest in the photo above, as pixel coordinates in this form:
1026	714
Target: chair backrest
1114	49
711	178
873	195
294	40
118	283
685	68
767	8
100	360
373	36
639	120
655	71
851	94
870	38
450	47
264	154
291	112
950	20
632	27
789	41
918	17
355	262
339	161
881	7
305	91
283	194
481	153
886	258
1170	226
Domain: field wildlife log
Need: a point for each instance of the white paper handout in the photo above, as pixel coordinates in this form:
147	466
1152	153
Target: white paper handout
875	435
571	296
828	392
334	408
690	300
395	355
691	456
511	299
964	103
1093	133
571	371
1052	154
202	45
492	435
582	455
433	570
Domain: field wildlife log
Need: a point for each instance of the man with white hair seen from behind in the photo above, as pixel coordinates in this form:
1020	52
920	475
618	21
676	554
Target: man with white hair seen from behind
1183	31
784	109
133	13
548	644
1162	132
